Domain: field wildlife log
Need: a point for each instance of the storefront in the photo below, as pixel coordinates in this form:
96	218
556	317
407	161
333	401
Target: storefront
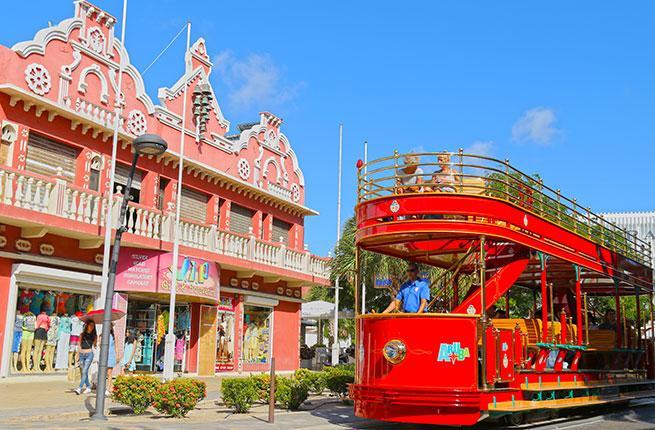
45	344
226	335
148	322
144	282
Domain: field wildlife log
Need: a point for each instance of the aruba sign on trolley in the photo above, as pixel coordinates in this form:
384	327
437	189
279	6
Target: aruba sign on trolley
452	352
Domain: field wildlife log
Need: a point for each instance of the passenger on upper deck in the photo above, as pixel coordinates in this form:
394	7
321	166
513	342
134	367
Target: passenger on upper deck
413	295
408	177
444	178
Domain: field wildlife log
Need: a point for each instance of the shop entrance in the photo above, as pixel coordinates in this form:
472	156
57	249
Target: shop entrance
149	322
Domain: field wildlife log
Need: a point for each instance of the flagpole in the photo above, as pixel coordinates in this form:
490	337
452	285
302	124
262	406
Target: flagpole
335	342
365	179
109	222
170	336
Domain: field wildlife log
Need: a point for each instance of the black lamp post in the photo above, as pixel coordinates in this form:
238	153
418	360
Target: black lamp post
147	144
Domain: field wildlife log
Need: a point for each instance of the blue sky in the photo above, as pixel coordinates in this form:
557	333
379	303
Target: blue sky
565	89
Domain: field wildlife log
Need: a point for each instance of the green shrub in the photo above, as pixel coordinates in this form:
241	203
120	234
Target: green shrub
199	386
337	380
137	392
315	381
177	397
290	392
262	384
239	393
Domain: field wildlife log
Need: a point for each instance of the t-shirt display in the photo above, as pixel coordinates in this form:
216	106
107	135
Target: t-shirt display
47	315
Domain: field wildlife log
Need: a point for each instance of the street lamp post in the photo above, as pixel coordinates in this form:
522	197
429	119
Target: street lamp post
147	144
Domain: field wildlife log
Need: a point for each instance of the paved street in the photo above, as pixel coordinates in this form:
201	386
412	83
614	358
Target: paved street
31	402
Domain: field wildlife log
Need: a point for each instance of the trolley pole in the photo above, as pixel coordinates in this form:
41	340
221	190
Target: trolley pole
366	189
483	314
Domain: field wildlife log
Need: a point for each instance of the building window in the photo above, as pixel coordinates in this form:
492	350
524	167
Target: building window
47	157
281	230
257	334
94	174
120	180
240	219
163	183
194	206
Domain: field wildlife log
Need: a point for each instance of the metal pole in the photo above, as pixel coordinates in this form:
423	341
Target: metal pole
483	315
617	304
586	319
335	342
358	255
544	299
271	393
99	413
114	149
578	299
552	314
365	184
638	321
169	346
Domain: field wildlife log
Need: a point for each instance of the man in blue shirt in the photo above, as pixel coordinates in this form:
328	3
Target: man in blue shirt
413	295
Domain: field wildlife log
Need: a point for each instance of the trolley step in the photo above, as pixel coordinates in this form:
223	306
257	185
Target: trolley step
528	405
579	385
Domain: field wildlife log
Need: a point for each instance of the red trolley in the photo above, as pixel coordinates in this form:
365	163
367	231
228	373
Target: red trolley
495	230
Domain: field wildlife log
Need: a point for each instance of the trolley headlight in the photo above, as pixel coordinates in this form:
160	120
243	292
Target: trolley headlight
394	351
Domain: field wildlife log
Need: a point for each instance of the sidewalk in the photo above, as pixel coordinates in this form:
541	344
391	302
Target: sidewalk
35	402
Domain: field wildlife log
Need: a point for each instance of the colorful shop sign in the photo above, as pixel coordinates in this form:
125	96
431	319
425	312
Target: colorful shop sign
145	270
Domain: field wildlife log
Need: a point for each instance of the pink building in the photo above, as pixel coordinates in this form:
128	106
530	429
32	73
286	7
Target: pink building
243	256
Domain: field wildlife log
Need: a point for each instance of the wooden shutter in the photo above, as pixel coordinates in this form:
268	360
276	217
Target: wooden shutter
280	229
194	206
122	172
240	219
45	155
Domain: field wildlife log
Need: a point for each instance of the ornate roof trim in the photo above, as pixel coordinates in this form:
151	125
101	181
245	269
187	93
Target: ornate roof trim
44	36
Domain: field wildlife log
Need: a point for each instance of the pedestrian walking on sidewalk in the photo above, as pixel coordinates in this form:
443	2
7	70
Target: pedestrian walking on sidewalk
88	341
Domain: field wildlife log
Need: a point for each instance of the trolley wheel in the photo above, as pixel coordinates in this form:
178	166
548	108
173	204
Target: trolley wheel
515	419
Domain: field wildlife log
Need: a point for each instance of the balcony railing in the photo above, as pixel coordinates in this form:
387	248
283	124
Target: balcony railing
443	172
54	196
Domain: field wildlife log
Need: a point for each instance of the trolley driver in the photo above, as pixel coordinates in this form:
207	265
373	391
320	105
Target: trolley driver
413	294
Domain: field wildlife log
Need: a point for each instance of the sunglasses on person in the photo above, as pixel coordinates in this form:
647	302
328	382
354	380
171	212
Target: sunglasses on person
412	270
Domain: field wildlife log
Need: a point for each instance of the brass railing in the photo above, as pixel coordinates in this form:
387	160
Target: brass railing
457	172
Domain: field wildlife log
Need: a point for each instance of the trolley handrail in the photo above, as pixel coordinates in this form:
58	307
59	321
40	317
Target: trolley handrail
482	175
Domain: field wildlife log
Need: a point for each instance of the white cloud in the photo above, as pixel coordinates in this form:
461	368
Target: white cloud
480	147
254	81
536	125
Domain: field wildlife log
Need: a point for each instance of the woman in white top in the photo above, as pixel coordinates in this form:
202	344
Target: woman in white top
409	177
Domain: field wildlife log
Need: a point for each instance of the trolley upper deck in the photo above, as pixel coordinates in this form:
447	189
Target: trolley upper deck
432	214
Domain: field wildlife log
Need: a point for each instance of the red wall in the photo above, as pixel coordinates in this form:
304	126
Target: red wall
5	278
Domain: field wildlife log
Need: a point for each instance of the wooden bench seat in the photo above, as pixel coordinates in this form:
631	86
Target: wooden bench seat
602	340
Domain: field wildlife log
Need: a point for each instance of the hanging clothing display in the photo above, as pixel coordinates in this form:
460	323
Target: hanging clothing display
63	342
51	338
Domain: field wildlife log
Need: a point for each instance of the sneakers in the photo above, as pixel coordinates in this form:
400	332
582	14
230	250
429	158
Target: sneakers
78	391
87	391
